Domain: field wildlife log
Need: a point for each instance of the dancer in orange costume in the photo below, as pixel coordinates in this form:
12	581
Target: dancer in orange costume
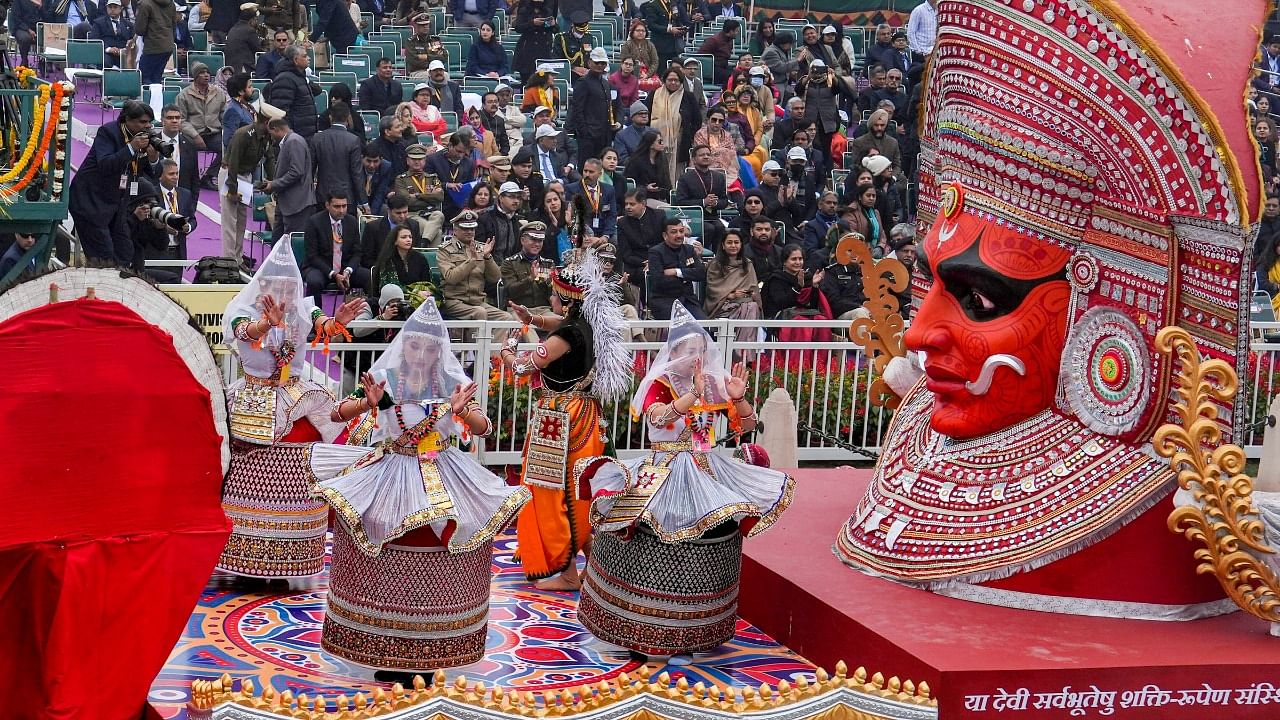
581	363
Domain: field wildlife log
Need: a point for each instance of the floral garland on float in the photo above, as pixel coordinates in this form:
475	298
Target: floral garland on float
50	124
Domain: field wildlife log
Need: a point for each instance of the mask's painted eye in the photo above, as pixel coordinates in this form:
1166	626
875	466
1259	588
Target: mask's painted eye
978	306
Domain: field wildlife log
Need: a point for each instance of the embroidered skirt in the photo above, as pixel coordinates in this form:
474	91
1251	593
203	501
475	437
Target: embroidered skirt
412	607
663	598
277	527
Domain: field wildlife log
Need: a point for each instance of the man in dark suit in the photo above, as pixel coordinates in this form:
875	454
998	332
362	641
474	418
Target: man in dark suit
332	249
376	178
454	167
548	160
673	269
378	230
114	31
178	200
338	153
639	229
265	68
600	199
183	150
899	56
700	185
380	92
593	111
542	116
108	176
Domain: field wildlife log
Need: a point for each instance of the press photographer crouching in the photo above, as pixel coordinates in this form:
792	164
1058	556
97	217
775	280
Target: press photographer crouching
110	177
152	225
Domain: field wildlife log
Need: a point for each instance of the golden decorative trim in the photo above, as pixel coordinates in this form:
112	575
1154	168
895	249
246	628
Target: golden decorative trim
881	334
580	701
1223	517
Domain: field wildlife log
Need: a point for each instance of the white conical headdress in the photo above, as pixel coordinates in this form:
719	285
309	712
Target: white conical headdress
408	367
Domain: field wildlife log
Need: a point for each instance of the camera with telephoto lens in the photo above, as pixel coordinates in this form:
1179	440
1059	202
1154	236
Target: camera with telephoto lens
172	219
156	140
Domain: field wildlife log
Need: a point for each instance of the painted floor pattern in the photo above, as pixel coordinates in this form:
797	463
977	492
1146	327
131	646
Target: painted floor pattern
535	643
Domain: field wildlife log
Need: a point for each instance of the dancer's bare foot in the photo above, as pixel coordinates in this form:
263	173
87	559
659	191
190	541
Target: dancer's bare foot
558	584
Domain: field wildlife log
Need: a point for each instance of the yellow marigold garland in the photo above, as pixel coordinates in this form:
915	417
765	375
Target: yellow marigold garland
25	75
37	126
47	138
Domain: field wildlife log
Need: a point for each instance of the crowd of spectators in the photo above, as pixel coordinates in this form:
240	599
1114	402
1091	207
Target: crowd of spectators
784	143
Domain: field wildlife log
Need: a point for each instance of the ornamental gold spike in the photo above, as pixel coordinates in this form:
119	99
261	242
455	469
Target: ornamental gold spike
879	333
1222	517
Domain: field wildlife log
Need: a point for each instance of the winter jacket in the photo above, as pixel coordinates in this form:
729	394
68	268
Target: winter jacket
155	22
292	92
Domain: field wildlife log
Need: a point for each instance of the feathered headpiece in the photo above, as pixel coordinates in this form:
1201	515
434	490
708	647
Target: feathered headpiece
602	309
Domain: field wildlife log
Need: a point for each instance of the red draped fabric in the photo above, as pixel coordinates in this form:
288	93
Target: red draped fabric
111	481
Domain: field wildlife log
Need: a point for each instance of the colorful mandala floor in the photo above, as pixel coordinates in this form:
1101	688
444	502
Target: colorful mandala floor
535	643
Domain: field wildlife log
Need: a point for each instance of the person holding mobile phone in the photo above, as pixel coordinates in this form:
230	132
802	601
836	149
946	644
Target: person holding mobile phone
667	24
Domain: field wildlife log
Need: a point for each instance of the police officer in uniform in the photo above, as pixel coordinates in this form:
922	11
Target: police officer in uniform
466	266
499	173
526	275
424	193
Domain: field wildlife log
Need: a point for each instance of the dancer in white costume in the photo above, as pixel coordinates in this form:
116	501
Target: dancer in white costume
664	571
278	528
409	581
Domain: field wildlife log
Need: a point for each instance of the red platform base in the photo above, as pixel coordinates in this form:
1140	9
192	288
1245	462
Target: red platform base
983	661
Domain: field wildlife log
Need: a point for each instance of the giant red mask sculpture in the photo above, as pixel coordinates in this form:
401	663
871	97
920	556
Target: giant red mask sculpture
991	327
1076	195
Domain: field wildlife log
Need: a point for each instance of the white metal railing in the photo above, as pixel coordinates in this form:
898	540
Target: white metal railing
828	381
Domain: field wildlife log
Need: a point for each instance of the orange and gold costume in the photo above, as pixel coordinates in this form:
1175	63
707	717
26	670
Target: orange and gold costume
556	523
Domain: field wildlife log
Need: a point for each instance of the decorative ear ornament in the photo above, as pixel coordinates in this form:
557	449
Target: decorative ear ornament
1106	371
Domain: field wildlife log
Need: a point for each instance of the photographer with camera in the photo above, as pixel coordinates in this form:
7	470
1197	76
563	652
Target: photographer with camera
122	155
822	90
179	201
151	225
392	307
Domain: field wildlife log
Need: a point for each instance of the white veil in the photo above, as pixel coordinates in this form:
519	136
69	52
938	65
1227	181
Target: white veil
401	364
686	340
279	276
